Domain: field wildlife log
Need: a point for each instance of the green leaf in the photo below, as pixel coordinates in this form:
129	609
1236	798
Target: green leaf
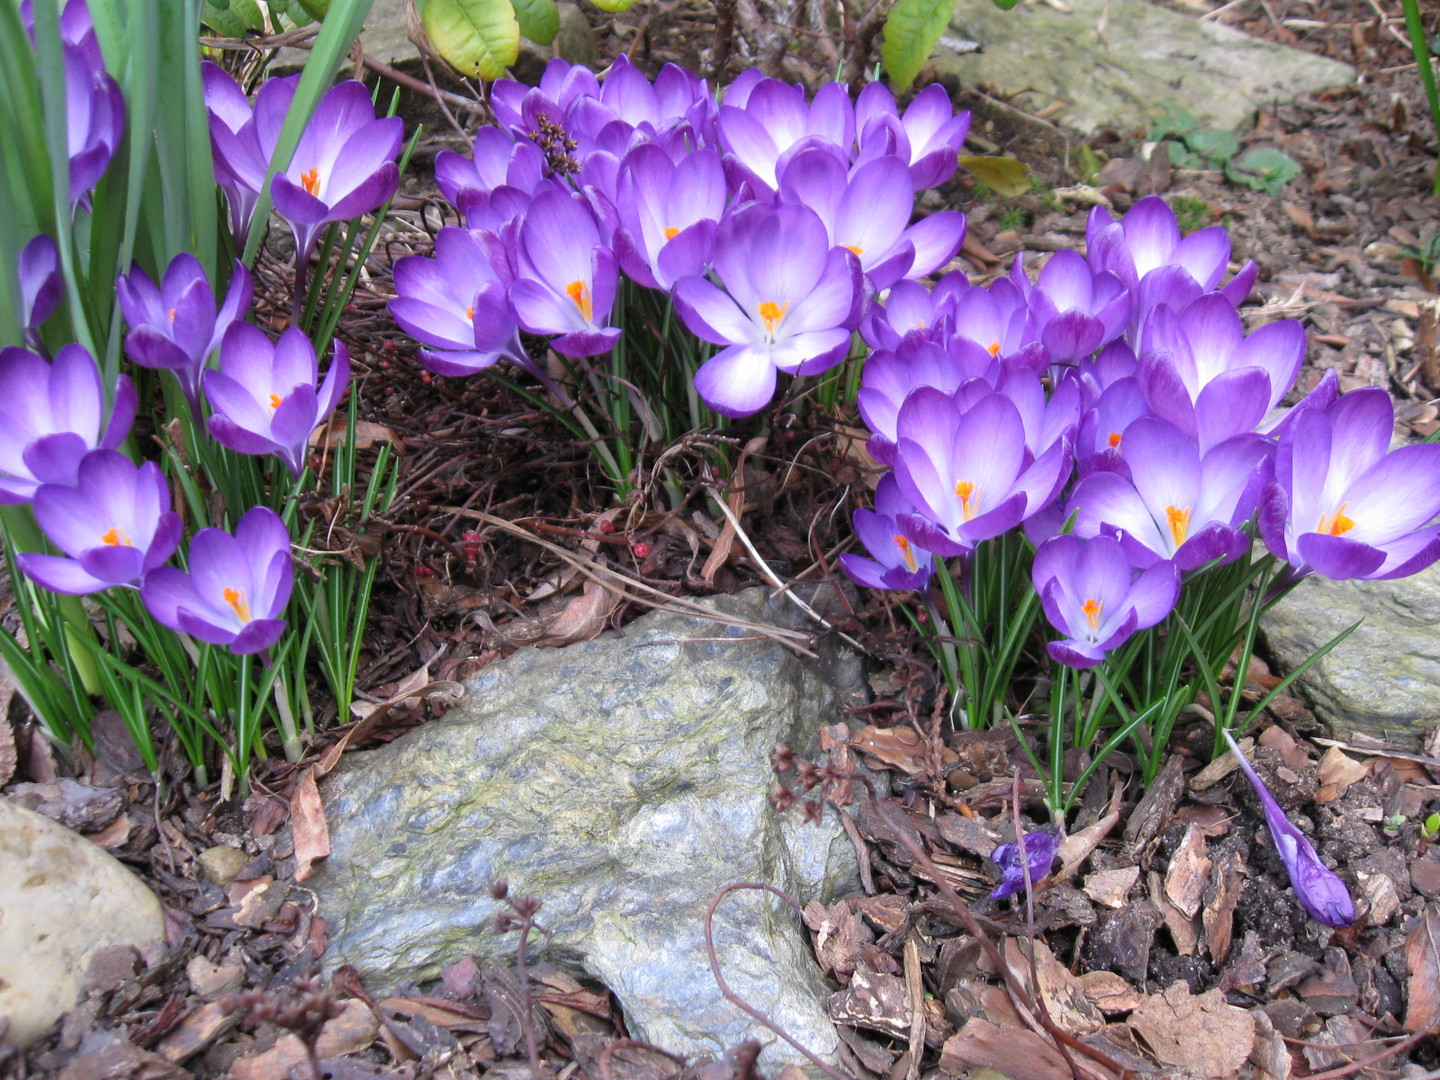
614	7
476	37
316	9
1006	176
232	18
1218	146
1263	169
1175	122
539	19
1004	5
911	31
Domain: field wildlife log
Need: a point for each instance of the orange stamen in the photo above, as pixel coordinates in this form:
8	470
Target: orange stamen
772	313
238	604
275	402
172	314
851	247
1336	524
1091	608
671	232
310	181
994	348
1179	522
1115	438
470	313
578	292
903	543
966	492
116	537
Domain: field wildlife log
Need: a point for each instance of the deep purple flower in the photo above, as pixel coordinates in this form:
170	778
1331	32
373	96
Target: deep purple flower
788	304
899	562
927	138
243	140
669	212
455	303
115	525
1076	310
344	165
265	396
968	471
175	326
50	418
41	287
237	587
1317	888
775	122
1176	503
1342	506
1093	595
566	276
1041	849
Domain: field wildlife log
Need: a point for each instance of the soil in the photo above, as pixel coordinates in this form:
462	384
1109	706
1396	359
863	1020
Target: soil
1186	929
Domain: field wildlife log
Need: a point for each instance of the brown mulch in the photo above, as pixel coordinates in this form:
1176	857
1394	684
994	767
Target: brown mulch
1175	948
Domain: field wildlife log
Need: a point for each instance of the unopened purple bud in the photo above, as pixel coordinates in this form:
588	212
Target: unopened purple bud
1041	847
1317	888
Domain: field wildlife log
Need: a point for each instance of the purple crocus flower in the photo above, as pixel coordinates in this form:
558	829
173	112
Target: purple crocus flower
50	418
889	377
927	138
788	304
115	525
774	123
1093	595
899	562
1041	848
237	587
913	314
243	141
497	160
344	165
1175	504
1342	506
265	396
567	278
669	212
518	107
1075	309
1317	888
174	326
41	286
455	303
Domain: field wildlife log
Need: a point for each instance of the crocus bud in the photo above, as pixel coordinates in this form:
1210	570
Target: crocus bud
1041	847
1317	888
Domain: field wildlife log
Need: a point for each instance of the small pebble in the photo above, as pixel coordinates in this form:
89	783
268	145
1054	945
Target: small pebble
220	864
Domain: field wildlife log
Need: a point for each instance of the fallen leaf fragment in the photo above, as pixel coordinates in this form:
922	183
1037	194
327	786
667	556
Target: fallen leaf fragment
307	823
1202	1035
353	1030
584	617
1109	992
1336	772
1062	993
1111	888
197	1030
1189	873
1422	961
1012	1051
1220	902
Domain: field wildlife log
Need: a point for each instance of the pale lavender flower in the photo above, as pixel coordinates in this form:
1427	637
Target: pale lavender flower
1042	847
1317	888
242	139
928	137
115	525
1076	309
237	588
775	122
888	378
669	212
899	561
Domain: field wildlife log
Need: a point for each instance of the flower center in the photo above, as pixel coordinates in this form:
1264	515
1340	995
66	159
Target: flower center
671	232
172	314
1091	607
1336	524
772	313
238	604
578	292
903	543
470	313
115	537
851	247
275	402
994	348
969	496
1115	438
310	181
1179	522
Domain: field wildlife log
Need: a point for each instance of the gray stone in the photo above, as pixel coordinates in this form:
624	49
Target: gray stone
621	781
62	899
1384	679
1148	59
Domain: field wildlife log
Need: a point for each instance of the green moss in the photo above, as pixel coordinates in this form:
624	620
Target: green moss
1191	213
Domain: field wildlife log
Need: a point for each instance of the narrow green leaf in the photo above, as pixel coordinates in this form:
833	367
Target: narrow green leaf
476	37
539	20
911	31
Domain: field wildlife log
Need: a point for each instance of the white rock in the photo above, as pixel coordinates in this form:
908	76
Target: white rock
61	899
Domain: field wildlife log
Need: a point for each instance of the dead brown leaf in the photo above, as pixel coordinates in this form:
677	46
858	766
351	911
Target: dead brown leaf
353	1030
584	617
1221	899
307	823
1111	888
1202	1035
1422	960
1189	873
1109	992
367	434
1336	772
1062	993
1014	1051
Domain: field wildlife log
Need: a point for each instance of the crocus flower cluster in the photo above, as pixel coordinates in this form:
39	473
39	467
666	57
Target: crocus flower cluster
1118	393
771	220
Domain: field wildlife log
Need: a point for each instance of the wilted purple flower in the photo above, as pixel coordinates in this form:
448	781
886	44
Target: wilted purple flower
50	418
968	471
669	212
927	138
41	286
115	525
1041	848
243	141
1076	310
1093	595
265	396
237	587
343	166
1342	506
899	562
1317	888
1176	503
1200	371
174	326
774	123
566	276
788	303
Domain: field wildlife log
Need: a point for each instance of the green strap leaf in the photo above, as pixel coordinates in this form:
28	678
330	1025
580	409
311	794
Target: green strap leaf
476	37
911	31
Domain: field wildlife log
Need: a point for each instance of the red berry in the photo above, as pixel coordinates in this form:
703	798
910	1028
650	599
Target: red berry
424	572
641	549
607	527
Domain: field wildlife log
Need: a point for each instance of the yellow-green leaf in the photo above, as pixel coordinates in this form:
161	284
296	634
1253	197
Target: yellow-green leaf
614	7
539	19
1006	176
911	30
476	37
